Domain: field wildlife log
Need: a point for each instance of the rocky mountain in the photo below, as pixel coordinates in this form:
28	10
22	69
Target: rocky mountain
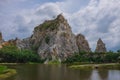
52	40
6	43
100	46
82	43
23	44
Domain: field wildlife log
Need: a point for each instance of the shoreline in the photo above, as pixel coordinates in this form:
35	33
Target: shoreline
96	66
8	73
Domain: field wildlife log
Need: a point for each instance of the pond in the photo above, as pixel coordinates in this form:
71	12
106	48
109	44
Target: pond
61	72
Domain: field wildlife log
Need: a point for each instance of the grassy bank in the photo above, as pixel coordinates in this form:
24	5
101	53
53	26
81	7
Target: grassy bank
5	72
98	66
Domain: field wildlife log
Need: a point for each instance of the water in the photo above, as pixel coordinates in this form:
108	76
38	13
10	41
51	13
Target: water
61	72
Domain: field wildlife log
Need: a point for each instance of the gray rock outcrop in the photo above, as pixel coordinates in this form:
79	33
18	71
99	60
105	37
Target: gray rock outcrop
52	40
1	38
100	46
23	44
82	43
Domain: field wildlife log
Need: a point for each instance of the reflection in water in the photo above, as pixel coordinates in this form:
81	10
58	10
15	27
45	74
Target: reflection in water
103	73
61	72
114	75
95	75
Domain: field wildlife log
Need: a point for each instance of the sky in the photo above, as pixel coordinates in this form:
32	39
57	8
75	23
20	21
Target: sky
93	18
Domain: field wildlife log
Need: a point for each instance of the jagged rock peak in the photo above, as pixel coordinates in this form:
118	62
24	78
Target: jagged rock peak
54	39
82	43
81	36
100	40
60	17
52	24
100	46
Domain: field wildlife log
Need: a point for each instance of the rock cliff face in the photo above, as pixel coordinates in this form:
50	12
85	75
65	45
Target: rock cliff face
52	40
82	43
100	46
23	44
0	36
1	39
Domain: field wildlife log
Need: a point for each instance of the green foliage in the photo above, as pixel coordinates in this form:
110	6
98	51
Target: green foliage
52	25
118	51
2	69
112	57
47	39
6	72
54	62
77	58
109	57
12	54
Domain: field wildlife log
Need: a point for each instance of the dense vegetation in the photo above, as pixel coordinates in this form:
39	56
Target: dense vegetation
11	54
2	69
94	57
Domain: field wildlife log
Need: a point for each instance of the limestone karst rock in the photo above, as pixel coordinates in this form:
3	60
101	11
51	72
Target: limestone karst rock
100	46
1	38
6	43
23	44
52	40
82	43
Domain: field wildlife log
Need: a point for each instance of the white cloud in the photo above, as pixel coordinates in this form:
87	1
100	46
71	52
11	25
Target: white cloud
93	18
99	19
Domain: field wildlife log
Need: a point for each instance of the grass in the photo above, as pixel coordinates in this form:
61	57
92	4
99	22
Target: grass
54	62
2	69
5	72
99	66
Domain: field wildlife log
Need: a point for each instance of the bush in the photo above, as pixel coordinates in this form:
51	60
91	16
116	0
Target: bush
109	57
112	57
12	54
